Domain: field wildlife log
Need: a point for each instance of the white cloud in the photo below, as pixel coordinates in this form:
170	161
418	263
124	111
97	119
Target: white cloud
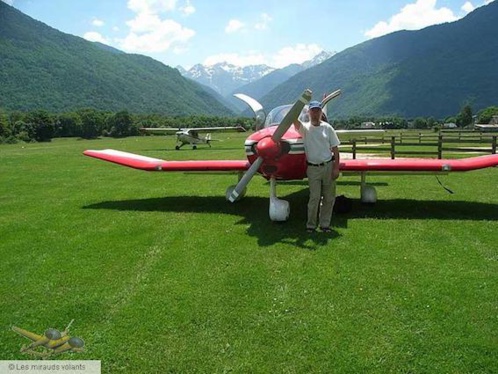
151	6
93	36
144	22
151	33
413	16
289	55
262	24
159	39
233	25
97	22
188	9
468	7
295	55
249	58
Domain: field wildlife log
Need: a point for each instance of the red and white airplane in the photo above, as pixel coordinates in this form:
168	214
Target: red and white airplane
276	152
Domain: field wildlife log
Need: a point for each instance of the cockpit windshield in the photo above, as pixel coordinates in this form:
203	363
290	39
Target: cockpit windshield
277	115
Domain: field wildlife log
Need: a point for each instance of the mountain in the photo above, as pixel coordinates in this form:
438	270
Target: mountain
262	86
430	72
227	79
41	67
224	77
318	59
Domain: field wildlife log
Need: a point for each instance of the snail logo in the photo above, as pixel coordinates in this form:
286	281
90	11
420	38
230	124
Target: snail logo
51	343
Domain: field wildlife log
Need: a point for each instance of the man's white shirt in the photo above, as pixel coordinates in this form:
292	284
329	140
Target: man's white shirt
318	140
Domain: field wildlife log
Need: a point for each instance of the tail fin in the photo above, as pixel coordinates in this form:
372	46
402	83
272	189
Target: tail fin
256	107
327	98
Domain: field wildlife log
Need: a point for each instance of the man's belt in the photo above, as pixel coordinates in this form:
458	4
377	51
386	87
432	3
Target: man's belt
320	164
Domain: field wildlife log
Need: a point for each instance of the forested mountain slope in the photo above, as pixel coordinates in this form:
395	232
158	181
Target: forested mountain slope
430	72
43	68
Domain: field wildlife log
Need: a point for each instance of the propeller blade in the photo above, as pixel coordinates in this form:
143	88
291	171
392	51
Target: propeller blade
291	115
245	179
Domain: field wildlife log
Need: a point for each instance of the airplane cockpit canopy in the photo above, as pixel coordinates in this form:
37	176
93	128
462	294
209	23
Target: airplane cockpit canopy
277	114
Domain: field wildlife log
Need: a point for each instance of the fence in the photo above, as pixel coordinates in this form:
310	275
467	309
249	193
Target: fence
437	143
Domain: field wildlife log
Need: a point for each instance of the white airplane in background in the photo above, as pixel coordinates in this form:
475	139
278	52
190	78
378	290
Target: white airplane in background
190	135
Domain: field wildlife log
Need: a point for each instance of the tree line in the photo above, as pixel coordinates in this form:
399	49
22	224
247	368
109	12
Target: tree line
43	126
464	119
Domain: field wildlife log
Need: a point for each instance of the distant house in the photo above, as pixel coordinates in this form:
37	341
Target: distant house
486	127
367	125
449	125
491	126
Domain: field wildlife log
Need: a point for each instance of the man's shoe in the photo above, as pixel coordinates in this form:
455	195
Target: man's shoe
310	230
326	229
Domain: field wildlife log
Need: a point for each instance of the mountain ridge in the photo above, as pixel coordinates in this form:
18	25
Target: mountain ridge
41	67
226	78
429	72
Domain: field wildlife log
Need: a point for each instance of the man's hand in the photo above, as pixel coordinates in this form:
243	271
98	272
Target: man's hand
335	171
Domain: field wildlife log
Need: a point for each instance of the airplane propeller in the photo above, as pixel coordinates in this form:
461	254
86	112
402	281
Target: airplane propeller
265	150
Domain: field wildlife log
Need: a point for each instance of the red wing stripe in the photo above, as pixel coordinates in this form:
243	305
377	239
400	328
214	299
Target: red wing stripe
420	164
154	164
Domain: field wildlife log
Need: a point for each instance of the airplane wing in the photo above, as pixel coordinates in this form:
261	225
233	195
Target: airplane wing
27	334
359	165
419	164
154	164
160	130
214	129
173	130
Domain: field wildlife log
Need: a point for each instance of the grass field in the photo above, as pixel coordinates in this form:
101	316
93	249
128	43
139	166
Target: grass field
161	274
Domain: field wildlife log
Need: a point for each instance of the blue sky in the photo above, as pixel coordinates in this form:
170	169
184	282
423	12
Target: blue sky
271	32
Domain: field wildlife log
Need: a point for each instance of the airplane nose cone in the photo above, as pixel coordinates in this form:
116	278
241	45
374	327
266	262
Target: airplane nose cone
268	149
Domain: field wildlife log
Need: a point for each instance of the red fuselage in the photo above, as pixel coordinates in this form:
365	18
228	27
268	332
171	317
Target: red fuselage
283	160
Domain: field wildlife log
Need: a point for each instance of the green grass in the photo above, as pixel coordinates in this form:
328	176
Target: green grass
161	274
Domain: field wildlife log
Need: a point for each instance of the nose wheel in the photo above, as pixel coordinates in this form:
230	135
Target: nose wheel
279	209
368	193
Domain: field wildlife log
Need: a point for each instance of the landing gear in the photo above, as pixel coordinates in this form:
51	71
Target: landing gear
279	209
368	193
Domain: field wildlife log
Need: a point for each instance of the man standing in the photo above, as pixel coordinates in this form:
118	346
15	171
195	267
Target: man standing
322	154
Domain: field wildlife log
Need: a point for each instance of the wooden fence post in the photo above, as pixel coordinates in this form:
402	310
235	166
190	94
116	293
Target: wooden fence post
440	146
393	145
493	145
354	149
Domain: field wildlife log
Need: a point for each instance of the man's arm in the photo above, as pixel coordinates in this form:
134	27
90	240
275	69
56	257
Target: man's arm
337	160
297	124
